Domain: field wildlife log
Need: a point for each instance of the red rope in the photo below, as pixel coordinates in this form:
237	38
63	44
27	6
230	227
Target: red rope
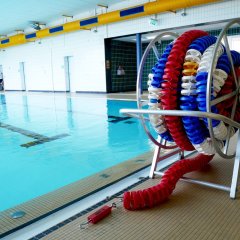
155	195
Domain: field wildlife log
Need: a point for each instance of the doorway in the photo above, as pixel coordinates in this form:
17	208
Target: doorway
121	65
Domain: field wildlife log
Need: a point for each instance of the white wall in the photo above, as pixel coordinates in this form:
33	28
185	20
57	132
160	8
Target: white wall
44	63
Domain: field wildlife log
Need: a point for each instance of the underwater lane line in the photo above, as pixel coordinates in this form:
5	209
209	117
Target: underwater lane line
22	131
44	140
40	139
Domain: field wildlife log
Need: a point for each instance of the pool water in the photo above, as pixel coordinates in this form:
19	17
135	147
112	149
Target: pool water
48	141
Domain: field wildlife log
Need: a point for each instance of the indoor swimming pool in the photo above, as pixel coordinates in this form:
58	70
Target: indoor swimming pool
51	140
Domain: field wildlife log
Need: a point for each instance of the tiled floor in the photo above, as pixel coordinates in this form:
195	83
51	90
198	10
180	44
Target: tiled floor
192	212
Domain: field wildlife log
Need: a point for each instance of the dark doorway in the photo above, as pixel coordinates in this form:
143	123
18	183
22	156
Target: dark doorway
121	68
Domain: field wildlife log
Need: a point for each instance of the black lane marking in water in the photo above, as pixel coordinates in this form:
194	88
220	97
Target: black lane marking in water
117	119
22	131
44	140
40	139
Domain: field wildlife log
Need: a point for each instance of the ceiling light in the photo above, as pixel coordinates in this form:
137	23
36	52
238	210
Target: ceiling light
150	37
36	25
153	36
166	36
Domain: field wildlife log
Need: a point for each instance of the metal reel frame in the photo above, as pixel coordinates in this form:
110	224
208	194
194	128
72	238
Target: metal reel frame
140	101
139	113
235	93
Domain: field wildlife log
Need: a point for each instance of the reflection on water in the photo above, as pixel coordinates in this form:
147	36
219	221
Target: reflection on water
3	105
69	110
3	99
25	103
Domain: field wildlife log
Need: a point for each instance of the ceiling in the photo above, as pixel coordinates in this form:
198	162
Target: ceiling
16	14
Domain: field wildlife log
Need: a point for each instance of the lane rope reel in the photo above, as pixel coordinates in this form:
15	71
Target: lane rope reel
179	81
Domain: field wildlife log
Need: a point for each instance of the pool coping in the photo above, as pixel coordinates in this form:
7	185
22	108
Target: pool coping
52	202
82	213
112	198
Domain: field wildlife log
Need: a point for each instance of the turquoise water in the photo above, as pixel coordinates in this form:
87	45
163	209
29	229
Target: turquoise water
48	141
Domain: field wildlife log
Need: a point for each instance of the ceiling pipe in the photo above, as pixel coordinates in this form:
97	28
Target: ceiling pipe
106	18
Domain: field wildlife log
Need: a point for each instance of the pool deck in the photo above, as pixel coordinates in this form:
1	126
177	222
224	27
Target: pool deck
191	212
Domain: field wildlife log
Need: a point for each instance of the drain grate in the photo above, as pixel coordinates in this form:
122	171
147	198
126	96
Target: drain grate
140	160
17	214
104	175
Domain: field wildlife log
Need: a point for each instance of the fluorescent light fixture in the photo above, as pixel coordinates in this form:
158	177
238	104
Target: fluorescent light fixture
134	39
150	37
153	36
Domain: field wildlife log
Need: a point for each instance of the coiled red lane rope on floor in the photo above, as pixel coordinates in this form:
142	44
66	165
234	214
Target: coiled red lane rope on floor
150	197
172	73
